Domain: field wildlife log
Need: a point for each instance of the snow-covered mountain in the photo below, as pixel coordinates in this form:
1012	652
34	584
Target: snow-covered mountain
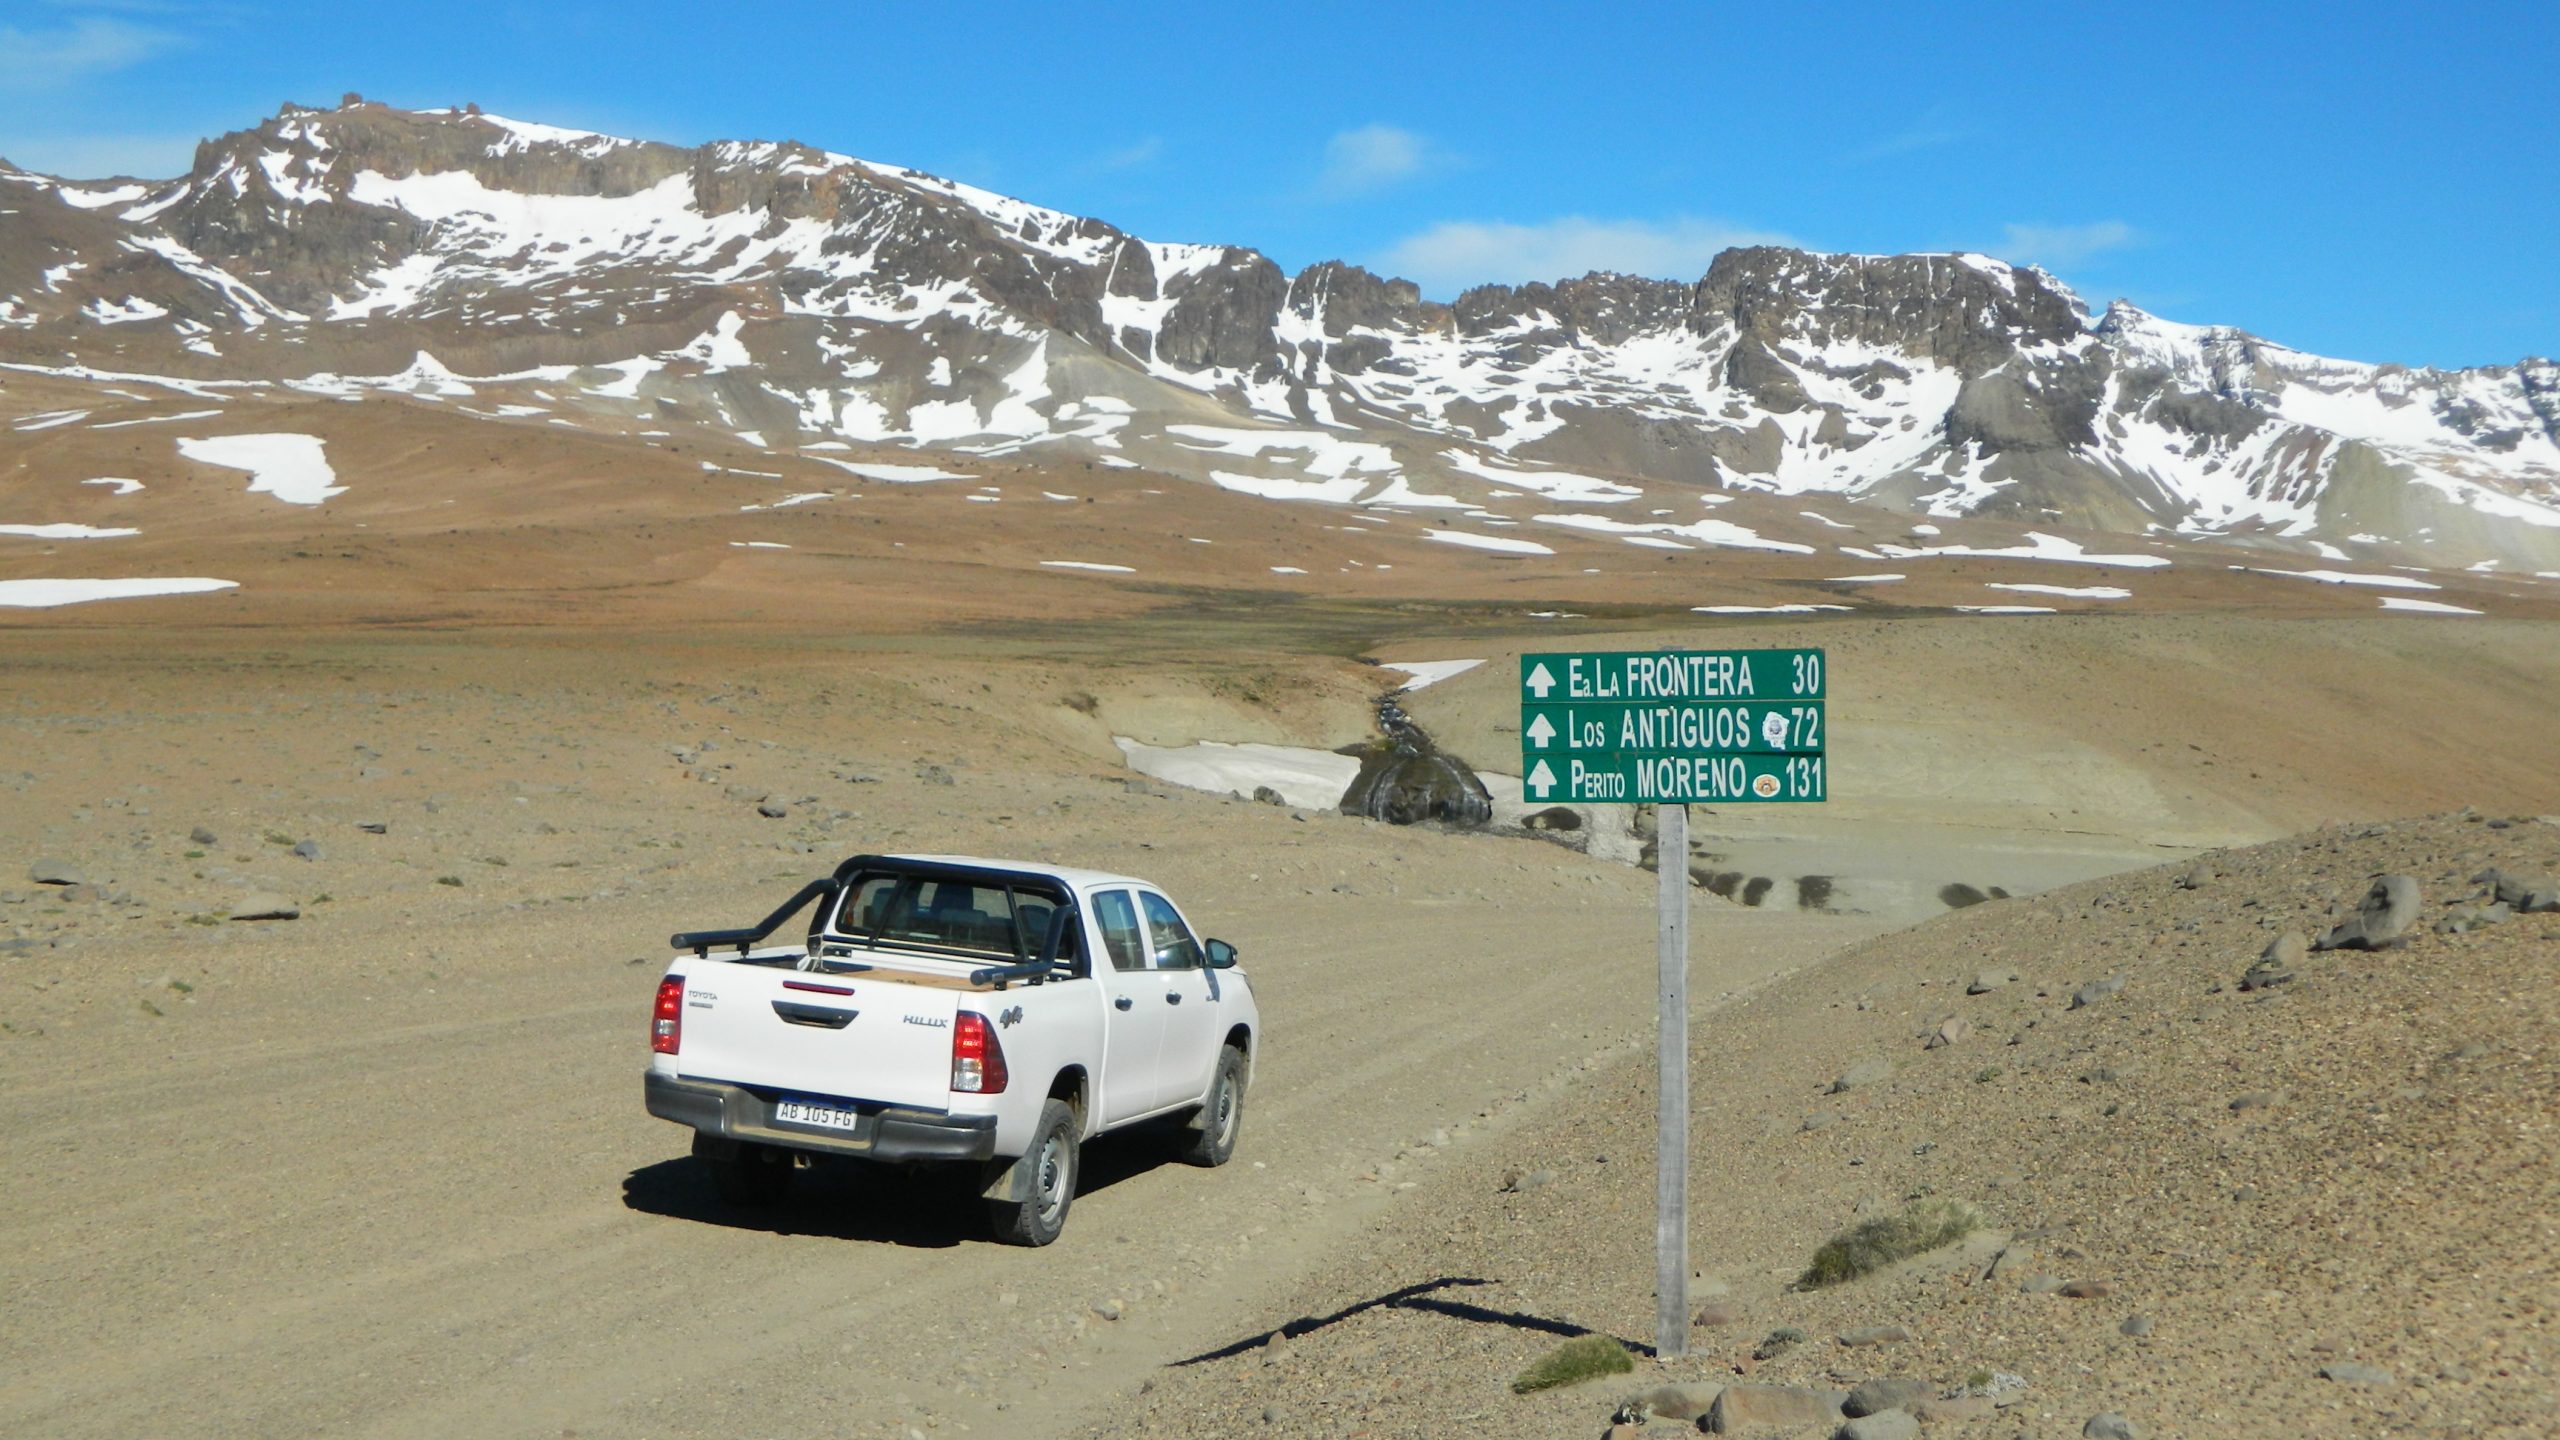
810	301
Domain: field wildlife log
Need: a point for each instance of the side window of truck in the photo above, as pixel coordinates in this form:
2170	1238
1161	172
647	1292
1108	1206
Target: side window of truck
1118	918
1168	938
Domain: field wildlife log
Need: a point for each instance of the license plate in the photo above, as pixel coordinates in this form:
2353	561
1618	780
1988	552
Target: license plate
825	1117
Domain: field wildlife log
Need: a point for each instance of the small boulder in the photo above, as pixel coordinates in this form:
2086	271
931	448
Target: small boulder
2351	1372
260	905
1748	1409
2198	876
2462	919
1875	1395
1717	1312
1865	1336
56	872
1684	1402
2086	1290
2136	1326
202	836
2110	1426
1961	1410
1554	817
1986	981
1264	794
2381	921
772	809
306	850
2095	991
1865	1072
1952	1031
1882	1425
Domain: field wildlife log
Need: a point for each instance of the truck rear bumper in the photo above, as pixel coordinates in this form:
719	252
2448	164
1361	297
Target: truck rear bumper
733	1112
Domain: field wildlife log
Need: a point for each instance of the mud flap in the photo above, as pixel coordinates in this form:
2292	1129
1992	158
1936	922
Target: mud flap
1008	1180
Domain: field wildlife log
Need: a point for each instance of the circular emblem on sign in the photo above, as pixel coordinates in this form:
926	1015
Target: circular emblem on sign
1765	786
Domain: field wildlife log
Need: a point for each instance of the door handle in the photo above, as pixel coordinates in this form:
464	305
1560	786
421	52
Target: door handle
1120	1002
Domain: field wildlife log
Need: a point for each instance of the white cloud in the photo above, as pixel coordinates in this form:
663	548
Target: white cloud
1455	254
1372	157
89	46
2060	245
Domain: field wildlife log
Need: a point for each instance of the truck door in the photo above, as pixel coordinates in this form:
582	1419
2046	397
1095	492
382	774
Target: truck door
1134	1014
1194	1023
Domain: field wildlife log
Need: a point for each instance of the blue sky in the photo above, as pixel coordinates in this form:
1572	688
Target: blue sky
2379	182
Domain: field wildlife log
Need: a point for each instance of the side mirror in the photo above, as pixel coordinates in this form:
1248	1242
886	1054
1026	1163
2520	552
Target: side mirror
1222	956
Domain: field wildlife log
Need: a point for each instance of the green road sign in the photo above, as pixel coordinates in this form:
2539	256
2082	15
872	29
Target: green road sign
1672	675
1622	779
1666	727
1671	728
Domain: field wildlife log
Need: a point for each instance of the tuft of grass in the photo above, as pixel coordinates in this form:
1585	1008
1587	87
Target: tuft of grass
1871	1245
1777	1342
195	855
278	837
1978	1380
1986	1074
453	880
182	987
1585	1357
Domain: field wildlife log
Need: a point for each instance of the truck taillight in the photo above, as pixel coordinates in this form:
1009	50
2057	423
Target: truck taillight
666	1026
977	1061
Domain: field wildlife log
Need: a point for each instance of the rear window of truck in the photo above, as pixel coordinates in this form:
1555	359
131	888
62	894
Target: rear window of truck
967	917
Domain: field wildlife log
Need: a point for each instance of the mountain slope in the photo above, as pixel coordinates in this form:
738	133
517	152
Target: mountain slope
801	299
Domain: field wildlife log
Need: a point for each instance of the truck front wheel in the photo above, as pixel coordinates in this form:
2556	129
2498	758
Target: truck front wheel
746	1174
1049	1170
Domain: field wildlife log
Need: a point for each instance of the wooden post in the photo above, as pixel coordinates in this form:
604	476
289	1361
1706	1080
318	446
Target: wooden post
1671	1184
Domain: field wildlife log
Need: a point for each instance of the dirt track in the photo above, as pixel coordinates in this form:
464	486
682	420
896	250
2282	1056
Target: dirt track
383	1171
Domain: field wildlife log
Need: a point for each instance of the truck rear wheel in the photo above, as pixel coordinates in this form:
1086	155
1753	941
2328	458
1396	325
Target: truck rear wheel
1221	1116
747	1175
1050	1166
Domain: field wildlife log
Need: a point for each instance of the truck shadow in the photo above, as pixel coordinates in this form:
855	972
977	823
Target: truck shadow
926	1208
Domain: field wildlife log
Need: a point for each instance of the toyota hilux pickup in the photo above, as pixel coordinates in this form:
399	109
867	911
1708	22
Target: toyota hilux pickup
940	1008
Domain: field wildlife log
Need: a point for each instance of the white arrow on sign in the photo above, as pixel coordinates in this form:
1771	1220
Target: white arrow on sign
1541	731
1539	681
1541	780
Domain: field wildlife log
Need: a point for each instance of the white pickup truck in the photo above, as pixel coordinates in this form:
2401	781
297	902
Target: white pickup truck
943	1008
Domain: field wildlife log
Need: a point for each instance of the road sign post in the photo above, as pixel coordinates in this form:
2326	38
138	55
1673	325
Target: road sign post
1671	728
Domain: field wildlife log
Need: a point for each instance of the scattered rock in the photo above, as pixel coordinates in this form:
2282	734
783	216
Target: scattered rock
2086	1290
1749	1408
2095	991
373	827
1554	817
2462	919
1865	1072
1874	1395
56	872
2257	1100
2136	1326
1952	1031
1108	1310
1821	1120
2351	1372
2110	1426
1882	1425
1984	982
306	850
1686	1402
2198	876
1717	1312
260	905
1860	1339
936	775
2041	1284
1265	795
1959	896
1520	1184
202	836
1960	1410
2381	921
772	809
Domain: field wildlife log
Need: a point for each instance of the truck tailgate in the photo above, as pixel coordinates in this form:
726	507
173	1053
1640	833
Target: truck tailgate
847	1037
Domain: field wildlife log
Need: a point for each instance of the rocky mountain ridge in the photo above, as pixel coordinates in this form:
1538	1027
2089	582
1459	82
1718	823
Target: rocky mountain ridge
804	300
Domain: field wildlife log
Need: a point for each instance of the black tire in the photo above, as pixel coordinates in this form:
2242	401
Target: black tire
1213	1141
747	1175
1054	1160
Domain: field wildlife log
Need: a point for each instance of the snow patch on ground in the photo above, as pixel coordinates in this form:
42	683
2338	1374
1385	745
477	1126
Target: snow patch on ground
2423	607
1311	778
2075	592
64	531
2348	577
292	468
1494	544
893	474
1427	673
45	594
1094	566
